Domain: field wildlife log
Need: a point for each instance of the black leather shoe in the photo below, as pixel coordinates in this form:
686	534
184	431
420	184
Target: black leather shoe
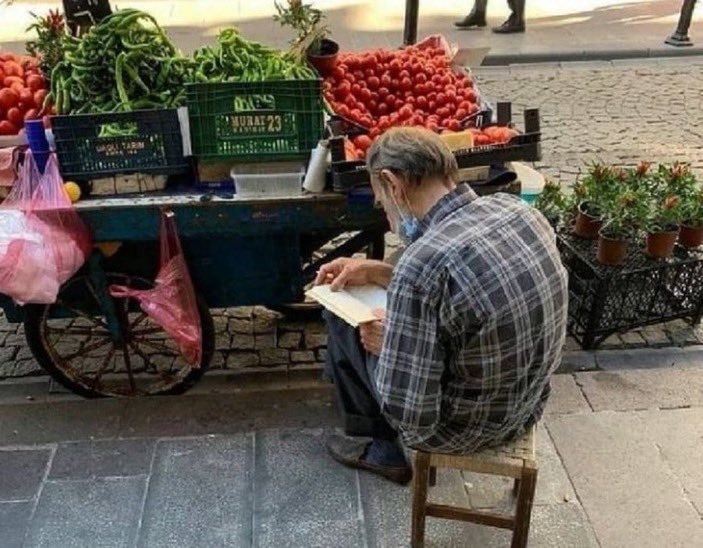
351	452
511	26
473	19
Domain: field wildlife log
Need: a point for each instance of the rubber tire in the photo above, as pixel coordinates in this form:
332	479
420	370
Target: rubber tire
32	329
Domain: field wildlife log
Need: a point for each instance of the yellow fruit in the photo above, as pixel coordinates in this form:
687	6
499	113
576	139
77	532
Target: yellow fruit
108	249
73	191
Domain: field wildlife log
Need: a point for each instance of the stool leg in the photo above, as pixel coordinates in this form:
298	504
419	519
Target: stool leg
422	465
433	476
525	498
516	487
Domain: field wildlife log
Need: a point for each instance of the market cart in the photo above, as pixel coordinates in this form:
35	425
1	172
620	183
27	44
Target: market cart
240	252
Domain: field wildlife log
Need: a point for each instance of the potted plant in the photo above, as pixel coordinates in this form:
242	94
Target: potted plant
680	180
602	183
663	225
620	216
551	203
311	34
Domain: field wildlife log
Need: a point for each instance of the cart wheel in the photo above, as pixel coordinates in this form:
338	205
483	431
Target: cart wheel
70	340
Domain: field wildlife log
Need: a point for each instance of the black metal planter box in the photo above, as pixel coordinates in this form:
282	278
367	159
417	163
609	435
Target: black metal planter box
604	299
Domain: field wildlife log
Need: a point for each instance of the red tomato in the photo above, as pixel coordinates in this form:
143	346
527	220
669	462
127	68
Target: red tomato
441	99
26	96
461	114
362	141
454	125
374	83
432	126
382	109
338	72
6	128
365	95
31	114
35	82
432	106
350	101
443	112
386	80
343	110
404	74
8	98
399	103
406	84
375	132
390	100
15	117
383	93
405	112
421	102
13	68
343	90
395	67
10	80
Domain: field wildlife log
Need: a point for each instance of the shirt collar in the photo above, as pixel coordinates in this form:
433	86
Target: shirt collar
460	196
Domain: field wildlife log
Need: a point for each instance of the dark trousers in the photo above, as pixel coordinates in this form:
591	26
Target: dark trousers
352	370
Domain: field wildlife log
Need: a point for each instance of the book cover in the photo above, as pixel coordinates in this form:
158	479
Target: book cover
355	305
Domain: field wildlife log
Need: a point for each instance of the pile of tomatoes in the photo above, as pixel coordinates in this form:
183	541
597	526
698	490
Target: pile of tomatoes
23	92
415	86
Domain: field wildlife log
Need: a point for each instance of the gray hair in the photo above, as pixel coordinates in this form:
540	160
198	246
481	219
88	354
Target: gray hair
415	153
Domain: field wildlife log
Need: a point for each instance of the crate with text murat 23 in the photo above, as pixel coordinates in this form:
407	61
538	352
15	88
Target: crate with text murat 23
255	121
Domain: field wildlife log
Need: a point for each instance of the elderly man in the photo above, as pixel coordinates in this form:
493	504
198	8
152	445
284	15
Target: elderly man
475	318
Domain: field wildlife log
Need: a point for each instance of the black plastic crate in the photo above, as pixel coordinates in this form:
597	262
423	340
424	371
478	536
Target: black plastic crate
608	299
94	146
526	147
255	121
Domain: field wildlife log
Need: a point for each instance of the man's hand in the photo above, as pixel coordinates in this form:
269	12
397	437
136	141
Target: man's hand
372	333
345	271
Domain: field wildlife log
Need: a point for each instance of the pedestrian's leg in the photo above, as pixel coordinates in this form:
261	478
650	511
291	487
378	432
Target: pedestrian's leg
516	21
476	18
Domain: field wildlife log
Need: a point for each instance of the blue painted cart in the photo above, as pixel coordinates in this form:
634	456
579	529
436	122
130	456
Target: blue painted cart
240	252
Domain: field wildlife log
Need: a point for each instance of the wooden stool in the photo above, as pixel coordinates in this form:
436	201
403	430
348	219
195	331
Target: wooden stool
515	460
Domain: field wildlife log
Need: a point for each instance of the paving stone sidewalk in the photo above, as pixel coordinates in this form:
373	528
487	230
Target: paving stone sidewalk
619	456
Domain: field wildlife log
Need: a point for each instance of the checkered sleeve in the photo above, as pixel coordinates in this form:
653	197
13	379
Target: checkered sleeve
411	364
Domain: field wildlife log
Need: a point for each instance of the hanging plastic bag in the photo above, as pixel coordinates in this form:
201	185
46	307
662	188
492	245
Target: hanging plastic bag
171	303
43	241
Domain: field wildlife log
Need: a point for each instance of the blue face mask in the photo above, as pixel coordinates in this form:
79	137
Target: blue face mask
409	229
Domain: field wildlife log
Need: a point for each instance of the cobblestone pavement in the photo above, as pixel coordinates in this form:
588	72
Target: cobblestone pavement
620	112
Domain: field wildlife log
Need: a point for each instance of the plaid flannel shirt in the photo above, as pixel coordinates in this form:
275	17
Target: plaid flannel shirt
475	324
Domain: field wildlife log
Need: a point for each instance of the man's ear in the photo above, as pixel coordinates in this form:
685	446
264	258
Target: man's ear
394	182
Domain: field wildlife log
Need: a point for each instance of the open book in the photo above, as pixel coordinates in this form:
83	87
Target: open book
355	305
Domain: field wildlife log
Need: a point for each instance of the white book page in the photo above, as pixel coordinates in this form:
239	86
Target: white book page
355	305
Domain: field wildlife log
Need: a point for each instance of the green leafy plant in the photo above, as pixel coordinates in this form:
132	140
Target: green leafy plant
600	186
552	202
306	21
624	213
692	209
48	45
664	214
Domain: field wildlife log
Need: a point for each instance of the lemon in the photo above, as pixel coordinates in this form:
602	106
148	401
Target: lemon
73	191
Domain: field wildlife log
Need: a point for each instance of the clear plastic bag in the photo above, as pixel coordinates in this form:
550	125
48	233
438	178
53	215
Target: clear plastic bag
43	241
171	303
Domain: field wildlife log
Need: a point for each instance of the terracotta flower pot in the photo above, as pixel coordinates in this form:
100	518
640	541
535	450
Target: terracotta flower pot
586	226
691	236
660	245
611	251
326	60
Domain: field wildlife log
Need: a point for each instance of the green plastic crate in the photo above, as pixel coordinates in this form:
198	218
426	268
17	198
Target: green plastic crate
255	121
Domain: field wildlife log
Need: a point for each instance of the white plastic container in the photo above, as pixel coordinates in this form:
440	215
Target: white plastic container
269	184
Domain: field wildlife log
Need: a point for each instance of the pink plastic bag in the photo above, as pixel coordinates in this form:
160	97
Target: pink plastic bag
171	303
43	241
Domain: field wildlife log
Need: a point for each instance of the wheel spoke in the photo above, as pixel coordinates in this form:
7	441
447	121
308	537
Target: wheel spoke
148	331
141	354
139	320
88	348
160	347
103	367
128	366
96	321
74	331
